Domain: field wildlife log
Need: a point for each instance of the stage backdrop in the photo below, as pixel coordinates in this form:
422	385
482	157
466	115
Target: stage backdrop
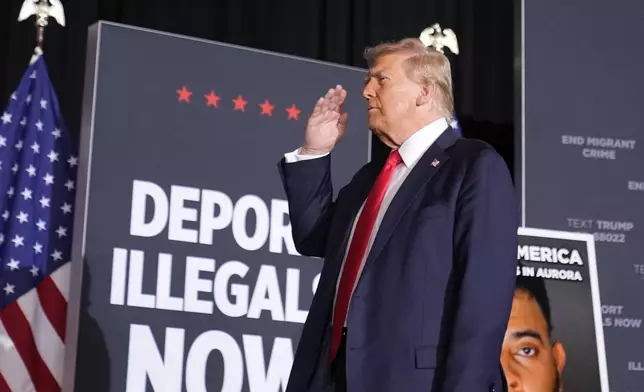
190	280
582	158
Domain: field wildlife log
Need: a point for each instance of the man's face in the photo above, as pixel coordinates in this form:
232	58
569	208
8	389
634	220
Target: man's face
530	362
392	97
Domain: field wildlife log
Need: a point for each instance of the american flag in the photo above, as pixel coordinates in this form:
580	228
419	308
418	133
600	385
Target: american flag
37	187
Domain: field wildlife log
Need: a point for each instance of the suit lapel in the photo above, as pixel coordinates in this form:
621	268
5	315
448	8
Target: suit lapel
428	165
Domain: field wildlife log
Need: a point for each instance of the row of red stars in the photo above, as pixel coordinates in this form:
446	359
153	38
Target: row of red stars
240	103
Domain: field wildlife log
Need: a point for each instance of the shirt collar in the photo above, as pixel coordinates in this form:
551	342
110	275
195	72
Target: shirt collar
415	146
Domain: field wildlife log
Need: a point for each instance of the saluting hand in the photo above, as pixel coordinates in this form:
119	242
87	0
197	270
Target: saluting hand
327	123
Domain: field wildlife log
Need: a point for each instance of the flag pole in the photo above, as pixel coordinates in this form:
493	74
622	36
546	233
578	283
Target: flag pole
43	10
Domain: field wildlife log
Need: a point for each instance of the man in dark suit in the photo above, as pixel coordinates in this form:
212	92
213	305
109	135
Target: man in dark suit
420	250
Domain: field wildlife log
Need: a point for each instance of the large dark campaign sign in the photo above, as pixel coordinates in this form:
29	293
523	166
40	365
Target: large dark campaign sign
582	152
190	280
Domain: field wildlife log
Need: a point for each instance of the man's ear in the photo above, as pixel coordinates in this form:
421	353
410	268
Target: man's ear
559	354
426	95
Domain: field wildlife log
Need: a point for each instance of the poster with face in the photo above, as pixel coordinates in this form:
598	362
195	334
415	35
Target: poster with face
554	340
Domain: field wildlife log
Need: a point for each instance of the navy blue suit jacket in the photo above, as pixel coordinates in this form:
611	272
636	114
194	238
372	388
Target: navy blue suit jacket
432	304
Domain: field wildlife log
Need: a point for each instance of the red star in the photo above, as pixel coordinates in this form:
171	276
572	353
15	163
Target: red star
267	108
213	100
293	112
184	94
240	103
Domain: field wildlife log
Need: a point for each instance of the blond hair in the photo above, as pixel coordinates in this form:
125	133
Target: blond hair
426	66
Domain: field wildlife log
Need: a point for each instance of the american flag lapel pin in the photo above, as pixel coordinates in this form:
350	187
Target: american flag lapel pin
435	163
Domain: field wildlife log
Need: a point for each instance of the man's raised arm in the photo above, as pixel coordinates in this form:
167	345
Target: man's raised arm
306	174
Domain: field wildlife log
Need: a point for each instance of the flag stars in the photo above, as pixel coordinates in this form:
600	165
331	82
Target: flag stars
31	170
36	197
212	99
23	217
66	208
61	231
18	241
9	289
57	255
13	264
26	193
240	103
184	94
44	201
72	161
293	112
53	156
6	118
267	108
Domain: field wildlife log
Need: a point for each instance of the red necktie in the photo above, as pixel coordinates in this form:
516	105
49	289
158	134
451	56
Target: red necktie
358	247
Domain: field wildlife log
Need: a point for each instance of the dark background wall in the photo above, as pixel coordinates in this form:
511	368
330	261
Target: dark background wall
329	30
584	161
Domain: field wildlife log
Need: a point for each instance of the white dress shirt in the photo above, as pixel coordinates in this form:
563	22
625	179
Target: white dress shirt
411	151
